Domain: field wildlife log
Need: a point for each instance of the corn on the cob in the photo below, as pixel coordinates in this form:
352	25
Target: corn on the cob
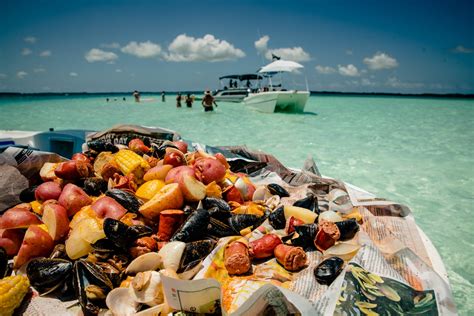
12	292
148	189
130	162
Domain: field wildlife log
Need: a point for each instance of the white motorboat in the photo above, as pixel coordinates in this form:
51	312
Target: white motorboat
274	98
237	88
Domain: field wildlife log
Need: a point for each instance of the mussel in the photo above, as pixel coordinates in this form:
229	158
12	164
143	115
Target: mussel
194	228
59	252
277	218
123	235
194	252
219	214
328	270
3	262
28	195
159	151
100	145
310	202
47	274
125	198
240	221
347	228
218	229
95	186
277	189
306	235
91	285
210	202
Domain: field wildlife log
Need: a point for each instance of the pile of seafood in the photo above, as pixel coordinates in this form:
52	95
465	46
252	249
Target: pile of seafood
105	226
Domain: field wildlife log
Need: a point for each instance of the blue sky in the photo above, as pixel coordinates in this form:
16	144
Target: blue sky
362	46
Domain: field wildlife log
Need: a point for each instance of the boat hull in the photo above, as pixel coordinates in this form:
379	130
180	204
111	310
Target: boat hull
276	101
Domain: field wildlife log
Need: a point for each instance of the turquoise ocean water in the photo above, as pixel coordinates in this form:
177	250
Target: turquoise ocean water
416	151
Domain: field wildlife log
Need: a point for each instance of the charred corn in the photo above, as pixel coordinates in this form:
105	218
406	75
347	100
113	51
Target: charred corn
12	291
130	162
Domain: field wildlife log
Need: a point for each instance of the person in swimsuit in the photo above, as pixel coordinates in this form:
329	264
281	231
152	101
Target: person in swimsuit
208	101
189	101
163	96
136	95
178	100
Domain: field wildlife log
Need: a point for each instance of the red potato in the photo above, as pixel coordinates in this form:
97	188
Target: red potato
158	172
73	198
222	160
175	174
73	170
48	191
233	194
10	240
182	146
80	157
209	169
55	218
106	207
174	157
37	243
18	218
193	190
138	146
47	171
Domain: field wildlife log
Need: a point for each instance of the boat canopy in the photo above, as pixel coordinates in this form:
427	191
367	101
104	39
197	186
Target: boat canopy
280	66
242	77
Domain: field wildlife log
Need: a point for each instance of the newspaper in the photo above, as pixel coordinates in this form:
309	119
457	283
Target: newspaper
393	272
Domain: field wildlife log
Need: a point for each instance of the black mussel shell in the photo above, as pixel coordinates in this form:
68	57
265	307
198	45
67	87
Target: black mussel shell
86	274
240	221
100	145
218	229
210	202
116	231
277	218
194	228
112	272
104	245
126	199
188	210
277	189
328	270
347	228
3	262
28	195
46	274
310	202
59	252
159	151
306	235
196	251
65	292
139	231
219	214
95	186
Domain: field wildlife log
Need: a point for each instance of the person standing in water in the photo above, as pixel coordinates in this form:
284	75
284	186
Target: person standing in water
162	96
208	101
189	101
178	100
136	95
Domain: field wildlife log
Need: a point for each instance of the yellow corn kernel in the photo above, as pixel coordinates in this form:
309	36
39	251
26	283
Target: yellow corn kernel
130	162
12	291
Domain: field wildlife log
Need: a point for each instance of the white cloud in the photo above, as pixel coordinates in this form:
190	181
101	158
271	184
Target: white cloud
142	50
21	74
349	70
45	53
367	82
348	52
26	52
296	53
380	61
262	44
325	70
39	69
3	76
73	74
463	50
96	54
118	70
394	82
30	39
208	48
113	45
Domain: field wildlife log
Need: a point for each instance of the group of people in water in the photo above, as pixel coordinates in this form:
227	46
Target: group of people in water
208	101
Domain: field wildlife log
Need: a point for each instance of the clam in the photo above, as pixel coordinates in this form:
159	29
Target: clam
147	262
328	270
171	254
47	274
146	288
329	216
261	194
121	303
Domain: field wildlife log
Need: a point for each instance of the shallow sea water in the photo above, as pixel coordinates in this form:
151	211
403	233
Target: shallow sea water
416	151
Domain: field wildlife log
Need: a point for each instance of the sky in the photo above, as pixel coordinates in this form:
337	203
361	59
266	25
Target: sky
349	46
